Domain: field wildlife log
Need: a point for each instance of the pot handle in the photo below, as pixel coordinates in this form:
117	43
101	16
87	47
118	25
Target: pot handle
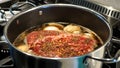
18	5
115	59
50	1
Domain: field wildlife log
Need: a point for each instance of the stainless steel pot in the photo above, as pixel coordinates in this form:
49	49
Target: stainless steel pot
57	13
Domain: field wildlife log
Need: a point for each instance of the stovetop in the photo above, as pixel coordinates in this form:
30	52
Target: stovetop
6	61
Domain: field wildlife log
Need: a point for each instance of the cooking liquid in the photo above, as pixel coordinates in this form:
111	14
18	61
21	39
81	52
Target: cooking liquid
52	43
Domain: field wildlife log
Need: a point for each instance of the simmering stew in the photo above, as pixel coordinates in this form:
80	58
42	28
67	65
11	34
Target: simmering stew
58	39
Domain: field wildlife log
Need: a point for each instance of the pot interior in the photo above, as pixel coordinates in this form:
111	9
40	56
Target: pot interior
58	13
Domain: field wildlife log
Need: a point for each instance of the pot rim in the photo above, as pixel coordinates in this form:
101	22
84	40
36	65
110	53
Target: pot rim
67	5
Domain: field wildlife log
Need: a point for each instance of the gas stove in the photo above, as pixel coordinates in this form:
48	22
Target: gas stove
7	13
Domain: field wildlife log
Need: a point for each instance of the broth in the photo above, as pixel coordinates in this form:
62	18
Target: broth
58	39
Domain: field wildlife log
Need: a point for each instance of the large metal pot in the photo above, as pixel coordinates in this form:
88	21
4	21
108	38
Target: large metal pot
62	13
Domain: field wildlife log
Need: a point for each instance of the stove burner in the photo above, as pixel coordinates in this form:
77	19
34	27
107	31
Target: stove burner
5	59
113	48
5	15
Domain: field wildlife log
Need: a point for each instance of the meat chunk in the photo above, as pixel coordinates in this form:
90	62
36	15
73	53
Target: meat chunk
34	35
61	44
31	37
